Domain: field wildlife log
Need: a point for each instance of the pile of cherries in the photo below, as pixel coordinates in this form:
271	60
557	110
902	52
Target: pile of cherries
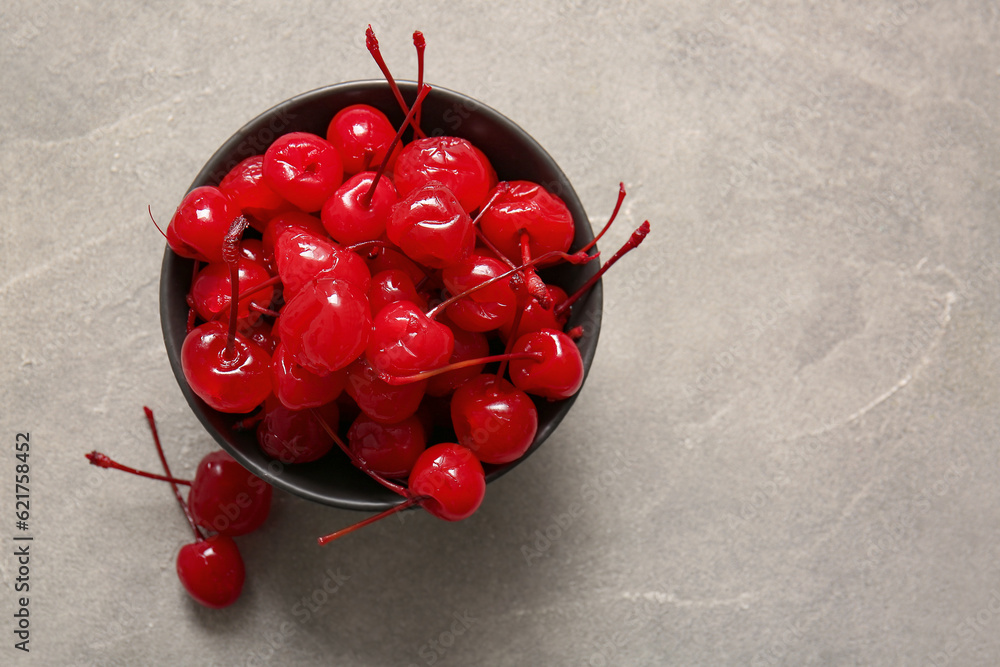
379	279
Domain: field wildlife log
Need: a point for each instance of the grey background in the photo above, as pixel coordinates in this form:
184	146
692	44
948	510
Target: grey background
785	453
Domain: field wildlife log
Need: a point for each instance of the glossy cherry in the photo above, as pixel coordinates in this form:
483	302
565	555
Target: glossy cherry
451	481
212	571
430	226
379	400
494	419
280	224
236	383
345	215
295	436
557	374
405	341
301	256
245	186
297	387
485	309
226	498
303	168
326	325
468	345
526	208
447	480
200	224
391	286
361	134
452	161
390	450
211	290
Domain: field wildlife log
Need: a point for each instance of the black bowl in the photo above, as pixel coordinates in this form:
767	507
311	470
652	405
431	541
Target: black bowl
515	155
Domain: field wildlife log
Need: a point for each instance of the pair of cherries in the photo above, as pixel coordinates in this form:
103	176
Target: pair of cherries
225	499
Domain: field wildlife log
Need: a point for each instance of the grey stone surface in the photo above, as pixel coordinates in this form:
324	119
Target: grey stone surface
786	453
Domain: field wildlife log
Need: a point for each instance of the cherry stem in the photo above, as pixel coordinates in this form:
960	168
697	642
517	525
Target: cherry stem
231	256
397	380
357	460
198	536
149	209
372	44
104	461
614	214
361	245
553	254
502	188
259	287
519	306
409	502
263	311
633	242
420	44
536	286
366	199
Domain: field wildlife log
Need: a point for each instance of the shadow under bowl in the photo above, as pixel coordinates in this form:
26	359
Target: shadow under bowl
514	154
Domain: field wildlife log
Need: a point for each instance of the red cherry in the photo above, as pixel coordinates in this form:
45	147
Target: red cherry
345	215
494	419
528	208
300	256
298	388
451	481
431	227
211	290
226	497
485	309
236	383
468	345
326	325
294	220
405	341
295	436
200	224
361	134
559	372
212	571
535	316
452	161
304	169
250	194
379	400
258	330
253	249
391	286
388	258
388	449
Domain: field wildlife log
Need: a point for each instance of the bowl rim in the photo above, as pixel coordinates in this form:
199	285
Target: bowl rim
592	303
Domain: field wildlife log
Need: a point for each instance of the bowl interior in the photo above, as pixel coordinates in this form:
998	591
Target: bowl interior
514	154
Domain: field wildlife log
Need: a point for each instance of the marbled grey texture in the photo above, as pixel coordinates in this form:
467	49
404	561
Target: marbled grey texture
785	454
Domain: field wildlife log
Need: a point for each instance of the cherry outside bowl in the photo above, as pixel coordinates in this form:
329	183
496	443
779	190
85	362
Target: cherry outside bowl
515	155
